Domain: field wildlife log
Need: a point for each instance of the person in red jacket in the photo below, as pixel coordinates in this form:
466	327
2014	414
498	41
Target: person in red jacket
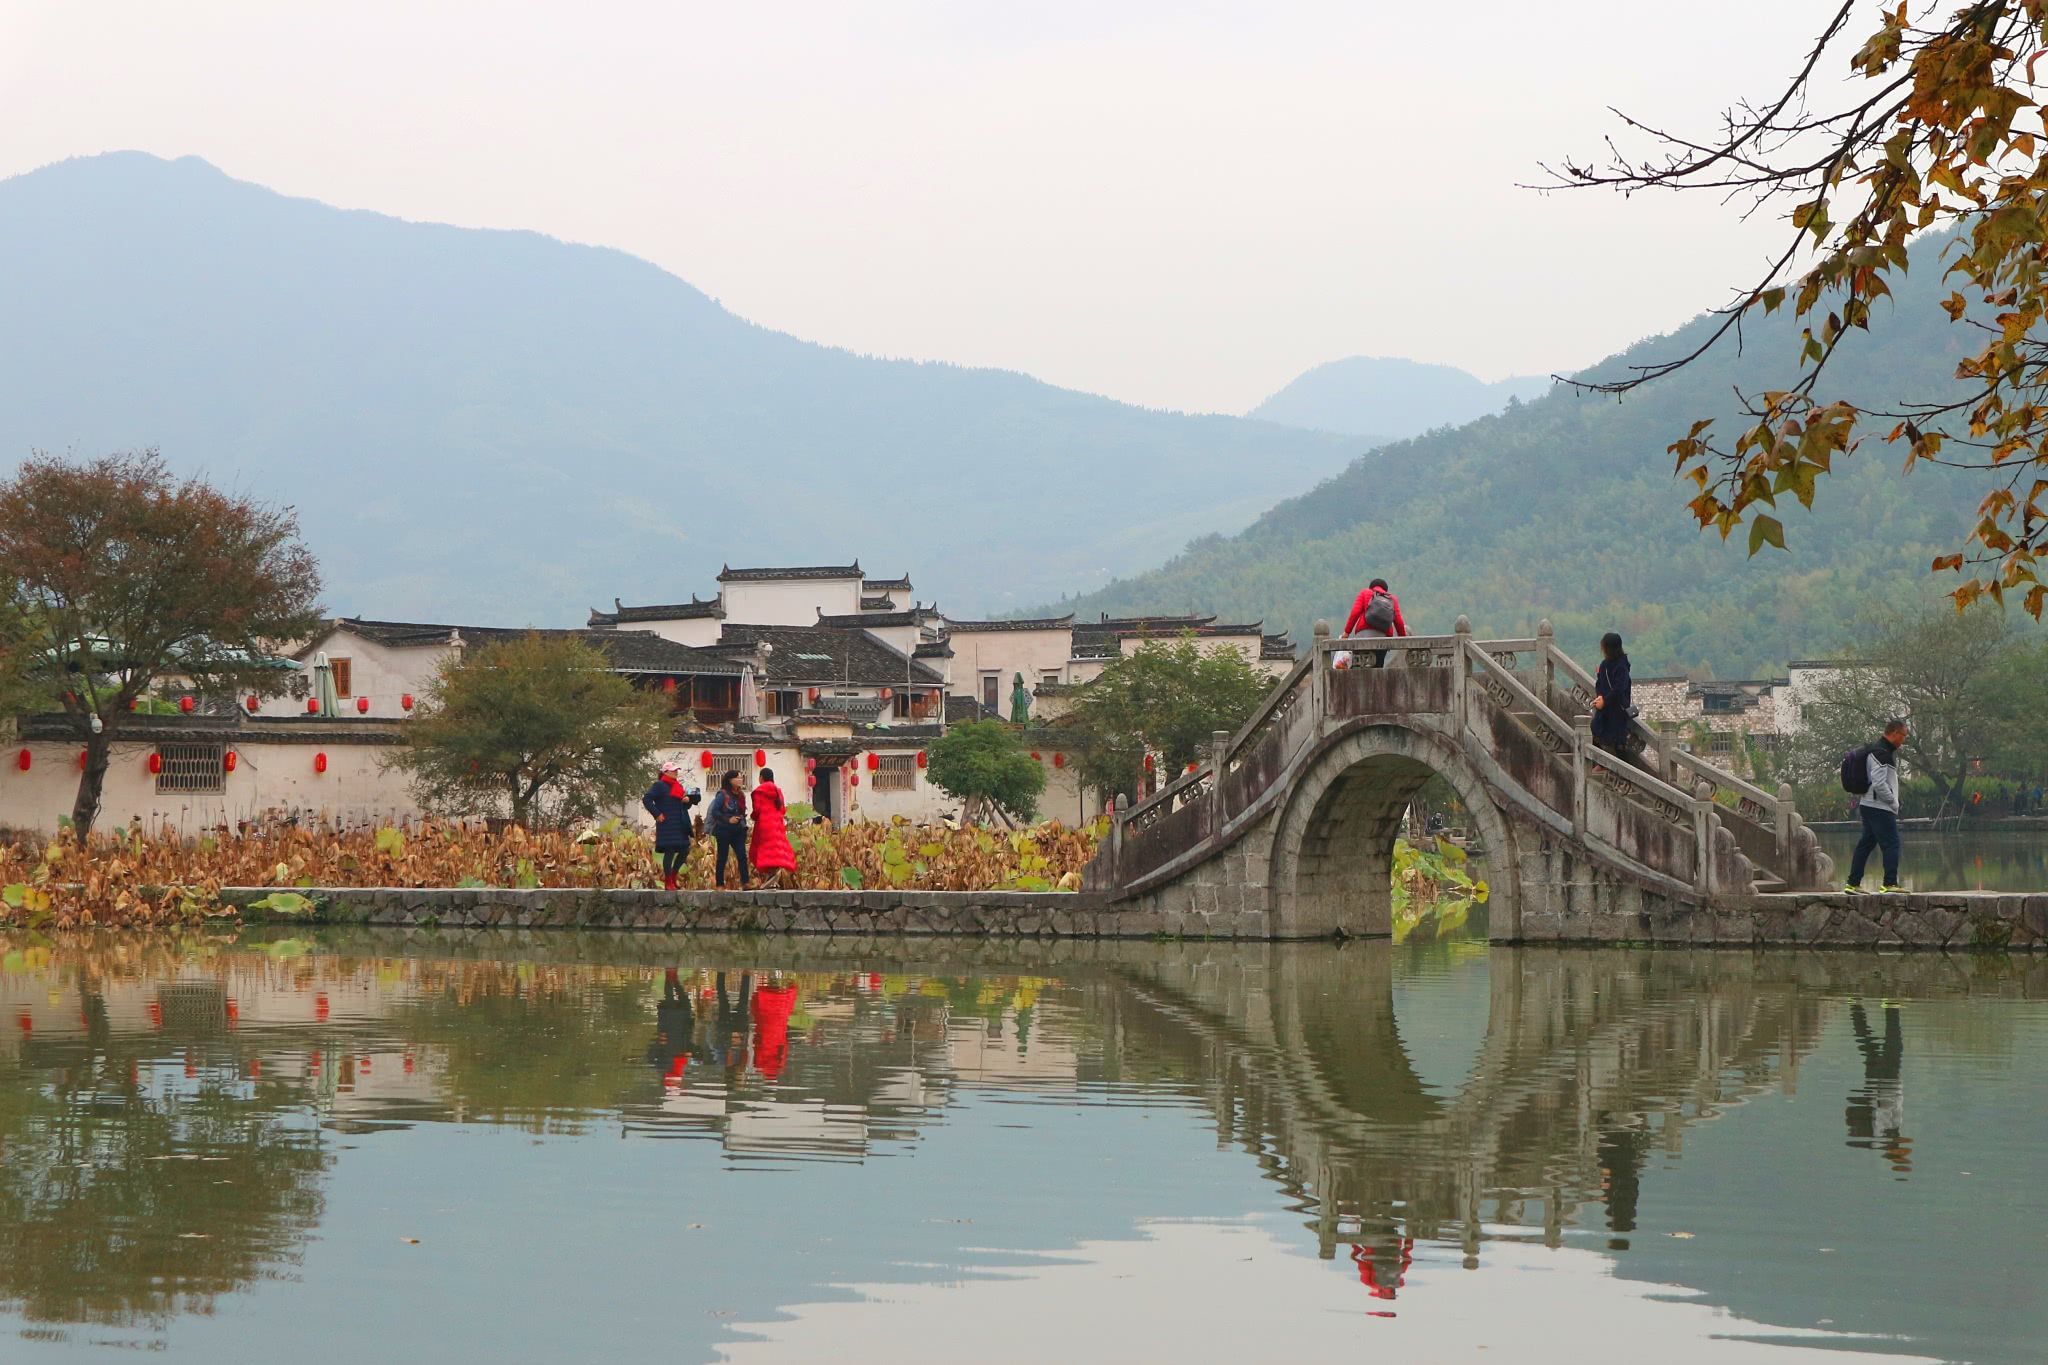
1376	612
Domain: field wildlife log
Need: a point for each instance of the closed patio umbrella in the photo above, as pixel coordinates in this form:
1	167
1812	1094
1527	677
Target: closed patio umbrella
323	685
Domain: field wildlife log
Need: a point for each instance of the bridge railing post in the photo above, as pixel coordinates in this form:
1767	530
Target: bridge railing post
1219	751
1461	671
1703	837
1118	812
1582	740
1544	645
1319	674
1785	818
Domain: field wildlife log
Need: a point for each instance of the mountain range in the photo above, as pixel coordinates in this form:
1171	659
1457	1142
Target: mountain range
1386	399
1565	507
502	428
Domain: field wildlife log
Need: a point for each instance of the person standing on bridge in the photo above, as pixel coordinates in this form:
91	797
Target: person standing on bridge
1613	697
1376	612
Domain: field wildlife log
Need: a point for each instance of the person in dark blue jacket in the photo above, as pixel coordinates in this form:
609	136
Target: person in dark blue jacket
728	822
670	806
1612	697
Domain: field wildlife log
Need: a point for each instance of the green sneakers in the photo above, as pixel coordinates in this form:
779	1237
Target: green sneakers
1851	889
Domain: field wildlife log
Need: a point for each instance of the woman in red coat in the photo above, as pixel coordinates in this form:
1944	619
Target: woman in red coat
770	851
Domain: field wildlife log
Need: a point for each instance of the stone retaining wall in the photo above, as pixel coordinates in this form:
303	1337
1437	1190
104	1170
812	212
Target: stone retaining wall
1953	920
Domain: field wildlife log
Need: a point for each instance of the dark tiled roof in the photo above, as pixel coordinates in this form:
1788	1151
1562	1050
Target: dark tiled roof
1109	622
960	710
692	610
885	584
876	604
729	574
933	649
233	728
867	619
631	651
824	655
1029	623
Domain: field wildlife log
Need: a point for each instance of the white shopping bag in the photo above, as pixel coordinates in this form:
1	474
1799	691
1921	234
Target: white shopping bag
1341	659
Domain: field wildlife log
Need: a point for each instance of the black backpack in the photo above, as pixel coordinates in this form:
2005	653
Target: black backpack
1379	613
1856	771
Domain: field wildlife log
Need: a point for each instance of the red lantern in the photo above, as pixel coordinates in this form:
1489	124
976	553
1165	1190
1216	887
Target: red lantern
228	761
1059	760
23	759
156	763
319	763
186	704
252	701
853	779
135	703
888	694
874	761
362	706
920	758
760	758
668	684
812	694
1191	767
810	765
704	760
312	706
406	701
81	760
1035	758
1148	763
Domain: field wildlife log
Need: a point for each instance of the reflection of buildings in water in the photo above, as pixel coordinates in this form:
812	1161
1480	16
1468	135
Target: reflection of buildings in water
1591	1062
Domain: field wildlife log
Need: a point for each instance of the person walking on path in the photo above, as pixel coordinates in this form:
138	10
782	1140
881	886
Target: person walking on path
771	849
1876	789
1376	612
1612	697
728	822
670	806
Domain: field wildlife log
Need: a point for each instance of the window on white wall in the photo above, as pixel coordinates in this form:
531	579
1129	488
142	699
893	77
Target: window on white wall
191	768
990	684
721	764
896	772
344	678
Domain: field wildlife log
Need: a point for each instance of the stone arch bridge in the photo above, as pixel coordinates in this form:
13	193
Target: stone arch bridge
1290	823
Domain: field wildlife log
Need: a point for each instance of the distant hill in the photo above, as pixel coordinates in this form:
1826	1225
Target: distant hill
1565	507
1386	399
504	428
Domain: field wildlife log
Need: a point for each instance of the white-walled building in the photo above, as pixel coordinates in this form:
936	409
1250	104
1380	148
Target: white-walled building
836	680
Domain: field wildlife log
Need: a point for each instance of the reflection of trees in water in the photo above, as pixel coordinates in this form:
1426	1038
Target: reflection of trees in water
123	1207
1592	1062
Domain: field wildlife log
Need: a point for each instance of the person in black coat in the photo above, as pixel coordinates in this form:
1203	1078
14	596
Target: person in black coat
1612	697
670	806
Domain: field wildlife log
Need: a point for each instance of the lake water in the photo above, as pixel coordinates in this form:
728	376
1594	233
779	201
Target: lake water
554	1149
1966	860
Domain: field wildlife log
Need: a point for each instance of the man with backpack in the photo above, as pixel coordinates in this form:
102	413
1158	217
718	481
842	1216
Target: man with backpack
1376	612
1870	773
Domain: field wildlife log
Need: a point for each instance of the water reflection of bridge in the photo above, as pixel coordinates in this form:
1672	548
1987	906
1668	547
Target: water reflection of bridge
1589	1063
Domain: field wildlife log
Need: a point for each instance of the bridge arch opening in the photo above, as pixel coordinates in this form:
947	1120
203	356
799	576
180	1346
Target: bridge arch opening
1334	845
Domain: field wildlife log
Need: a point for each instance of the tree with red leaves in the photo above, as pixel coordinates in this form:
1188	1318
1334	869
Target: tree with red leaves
122	574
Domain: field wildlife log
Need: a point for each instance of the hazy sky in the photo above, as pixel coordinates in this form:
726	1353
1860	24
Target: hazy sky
1179	204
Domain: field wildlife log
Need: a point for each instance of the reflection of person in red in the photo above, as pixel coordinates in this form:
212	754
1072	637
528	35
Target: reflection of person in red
1369	1269
773	1004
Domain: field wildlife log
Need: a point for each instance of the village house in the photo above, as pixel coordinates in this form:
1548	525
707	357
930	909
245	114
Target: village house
837	680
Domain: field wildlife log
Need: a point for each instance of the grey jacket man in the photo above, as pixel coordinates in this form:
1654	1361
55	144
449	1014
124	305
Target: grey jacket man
1883	767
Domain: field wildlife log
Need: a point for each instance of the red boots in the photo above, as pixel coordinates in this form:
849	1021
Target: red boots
669	881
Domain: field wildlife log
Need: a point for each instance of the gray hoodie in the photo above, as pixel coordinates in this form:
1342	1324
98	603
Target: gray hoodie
1883	767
